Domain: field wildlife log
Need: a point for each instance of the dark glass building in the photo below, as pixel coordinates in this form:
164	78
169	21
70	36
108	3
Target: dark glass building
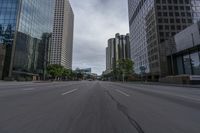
25	30
186	57
151	23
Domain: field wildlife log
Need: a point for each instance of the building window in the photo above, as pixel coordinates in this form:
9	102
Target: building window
160	27
178	21
183	14
166	27
172	27
170	7
171	14
195	62
178	27
171	20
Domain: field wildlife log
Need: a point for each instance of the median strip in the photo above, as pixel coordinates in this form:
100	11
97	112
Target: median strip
68	92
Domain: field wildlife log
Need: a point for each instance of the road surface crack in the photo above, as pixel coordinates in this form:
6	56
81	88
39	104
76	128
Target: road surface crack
123	109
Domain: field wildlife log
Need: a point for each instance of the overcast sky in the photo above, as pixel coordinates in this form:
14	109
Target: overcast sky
95	22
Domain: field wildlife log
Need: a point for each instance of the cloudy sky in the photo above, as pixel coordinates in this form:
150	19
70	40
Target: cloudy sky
95	22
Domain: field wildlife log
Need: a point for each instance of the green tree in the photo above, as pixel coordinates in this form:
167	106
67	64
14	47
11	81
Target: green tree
66	73
124	68
56	71
72	75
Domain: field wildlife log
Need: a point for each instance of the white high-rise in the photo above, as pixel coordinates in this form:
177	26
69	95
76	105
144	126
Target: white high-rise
62	39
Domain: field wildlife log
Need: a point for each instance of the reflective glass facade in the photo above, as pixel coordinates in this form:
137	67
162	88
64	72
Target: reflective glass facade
138	10
8	16
36	19
31	20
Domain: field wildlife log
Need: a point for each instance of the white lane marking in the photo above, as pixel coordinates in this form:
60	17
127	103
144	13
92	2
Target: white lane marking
68	92
29	89
123	93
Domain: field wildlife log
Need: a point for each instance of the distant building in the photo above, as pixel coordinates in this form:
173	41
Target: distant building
84	71
87	73
118	48
62	43
151	23
110	54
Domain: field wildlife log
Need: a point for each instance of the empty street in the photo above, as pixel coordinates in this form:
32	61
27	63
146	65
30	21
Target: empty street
97	107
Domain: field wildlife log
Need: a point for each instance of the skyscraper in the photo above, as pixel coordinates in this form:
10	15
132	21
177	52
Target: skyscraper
151	23
118	48
22	26
62	43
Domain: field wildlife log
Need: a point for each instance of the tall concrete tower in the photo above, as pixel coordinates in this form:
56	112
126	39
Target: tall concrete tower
62	39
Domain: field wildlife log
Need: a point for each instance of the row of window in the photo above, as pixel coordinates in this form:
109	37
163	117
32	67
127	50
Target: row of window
173	1
176	14
172	27
170	7
172	20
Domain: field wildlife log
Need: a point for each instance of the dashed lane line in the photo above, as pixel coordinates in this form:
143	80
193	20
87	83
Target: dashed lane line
68	92
123	93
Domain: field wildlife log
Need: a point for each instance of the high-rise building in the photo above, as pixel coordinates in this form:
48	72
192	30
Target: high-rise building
62	43
23	24
110	54
118	48
151	23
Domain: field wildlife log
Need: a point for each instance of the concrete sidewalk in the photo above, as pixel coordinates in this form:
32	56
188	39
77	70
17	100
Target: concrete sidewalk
165	84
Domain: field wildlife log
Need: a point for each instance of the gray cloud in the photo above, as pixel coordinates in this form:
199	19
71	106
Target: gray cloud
95	22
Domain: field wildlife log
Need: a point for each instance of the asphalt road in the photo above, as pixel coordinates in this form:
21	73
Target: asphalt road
98	107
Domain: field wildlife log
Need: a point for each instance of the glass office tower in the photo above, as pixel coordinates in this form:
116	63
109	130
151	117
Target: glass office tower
151	23
24	25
